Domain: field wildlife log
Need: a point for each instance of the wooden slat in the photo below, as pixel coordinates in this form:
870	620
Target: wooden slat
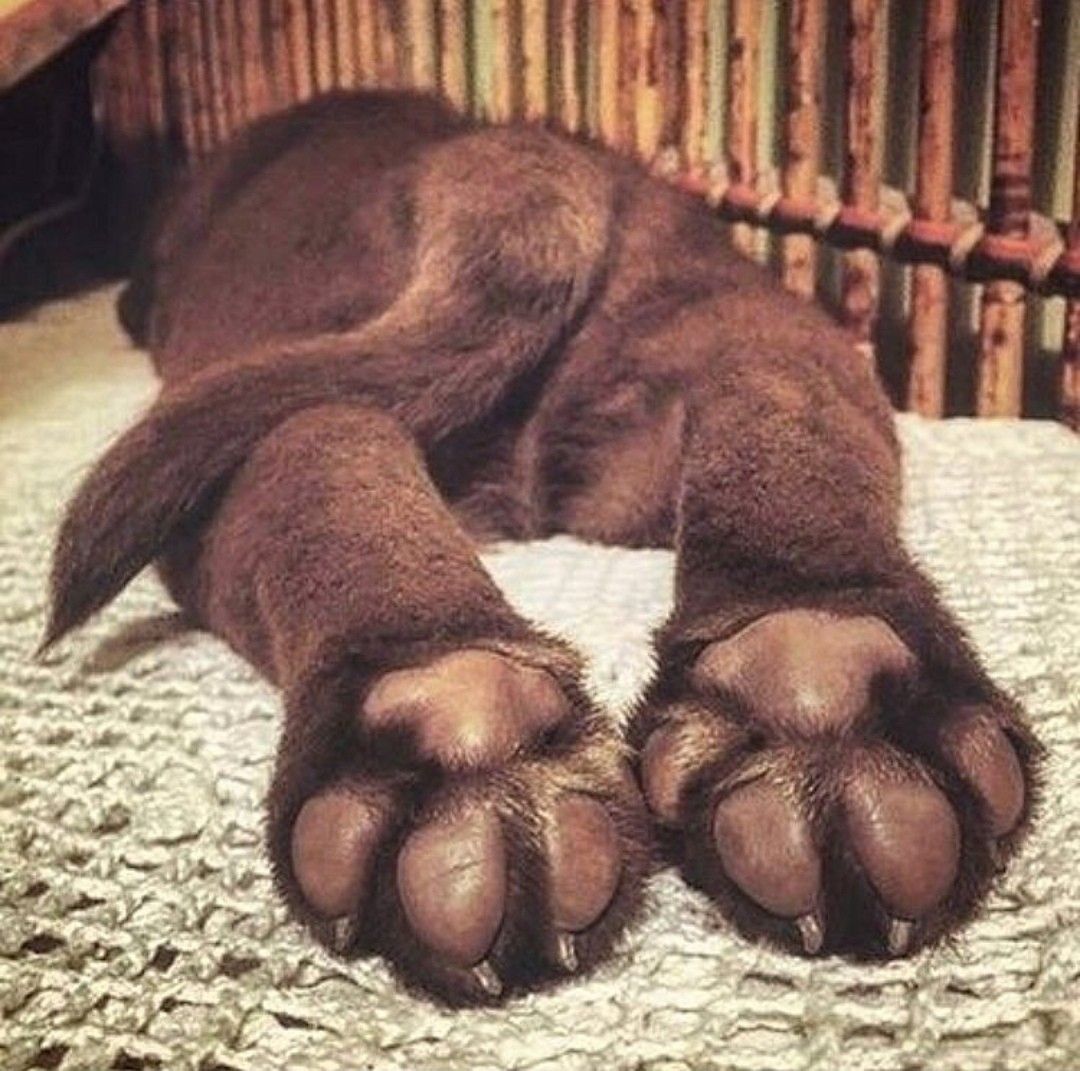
1070	354
453	46
1001	326
802	134
568	21
862	161
742	105
695	87
928	324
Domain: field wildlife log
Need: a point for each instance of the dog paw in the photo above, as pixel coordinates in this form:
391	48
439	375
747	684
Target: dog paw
827	791
479	827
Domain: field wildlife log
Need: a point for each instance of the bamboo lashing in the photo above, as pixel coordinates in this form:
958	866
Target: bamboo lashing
802	135
928	324
743	49
1001	327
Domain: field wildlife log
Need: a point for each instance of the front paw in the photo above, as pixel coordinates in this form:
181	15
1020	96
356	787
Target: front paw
478	826
828	791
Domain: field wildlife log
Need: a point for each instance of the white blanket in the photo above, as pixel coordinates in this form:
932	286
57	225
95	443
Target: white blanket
138	926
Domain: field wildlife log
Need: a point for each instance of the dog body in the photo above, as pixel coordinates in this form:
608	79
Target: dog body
384	334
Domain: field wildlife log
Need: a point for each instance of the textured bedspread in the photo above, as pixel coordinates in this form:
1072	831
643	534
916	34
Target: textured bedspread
138	926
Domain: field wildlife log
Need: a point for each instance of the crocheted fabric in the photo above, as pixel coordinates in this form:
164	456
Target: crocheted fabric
138	926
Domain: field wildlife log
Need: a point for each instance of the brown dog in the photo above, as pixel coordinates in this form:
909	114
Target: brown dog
385	334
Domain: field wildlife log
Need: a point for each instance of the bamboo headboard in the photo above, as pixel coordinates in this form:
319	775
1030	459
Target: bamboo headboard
844	140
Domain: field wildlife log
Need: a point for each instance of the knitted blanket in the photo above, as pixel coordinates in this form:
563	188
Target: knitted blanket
138	925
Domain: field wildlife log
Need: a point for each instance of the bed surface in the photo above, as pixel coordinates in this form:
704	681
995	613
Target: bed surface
138	926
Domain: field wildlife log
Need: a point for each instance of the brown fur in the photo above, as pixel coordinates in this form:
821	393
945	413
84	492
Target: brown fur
384	333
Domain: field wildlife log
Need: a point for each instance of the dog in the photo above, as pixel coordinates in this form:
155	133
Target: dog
386	335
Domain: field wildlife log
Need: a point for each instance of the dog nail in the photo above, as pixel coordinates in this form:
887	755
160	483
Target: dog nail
809	927
900	933
487	979
566	952
341	934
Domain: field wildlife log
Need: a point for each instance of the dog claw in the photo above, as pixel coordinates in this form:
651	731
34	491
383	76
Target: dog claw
901	932
566	952
342	934
487	979
809	927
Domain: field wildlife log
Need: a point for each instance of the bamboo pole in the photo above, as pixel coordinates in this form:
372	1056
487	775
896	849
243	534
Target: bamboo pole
743	50
629	61
298	35
367	44
1001	323
802	134
346	66
1070	354
148	14
607	27
253	60
217	68
181	110
862	162
652	44
321	45
502	61
279	63
928	324
667	57
694	111
388	63
453	45
194	54
419	38
534	50
568	22
229	32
